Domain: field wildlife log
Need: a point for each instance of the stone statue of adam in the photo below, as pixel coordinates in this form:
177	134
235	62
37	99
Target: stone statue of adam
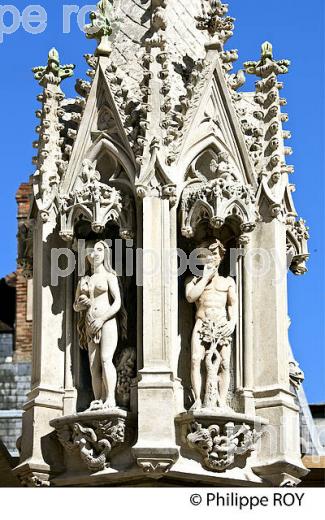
216	316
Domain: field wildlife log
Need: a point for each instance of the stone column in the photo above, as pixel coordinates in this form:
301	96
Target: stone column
70	392
248	354
279	457
156	448
45	401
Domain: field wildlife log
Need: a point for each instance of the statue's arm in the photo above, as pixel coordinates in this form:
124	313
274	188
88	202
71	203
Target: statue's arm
232	303
81	302
114	290
191	289
195	286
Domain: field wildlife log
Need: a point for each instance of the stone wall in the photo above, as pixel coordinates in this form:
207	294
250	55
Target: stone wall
23	339
14	385
15	341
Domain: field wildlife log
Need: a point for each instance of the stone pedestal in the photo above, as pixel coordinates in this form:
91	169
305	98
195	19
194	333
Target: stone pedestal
219	440
94	441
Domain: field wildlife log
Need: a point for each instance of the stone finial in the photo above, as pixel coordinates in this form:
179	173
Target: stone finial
101	26
213	20
53	73
267	51
267	65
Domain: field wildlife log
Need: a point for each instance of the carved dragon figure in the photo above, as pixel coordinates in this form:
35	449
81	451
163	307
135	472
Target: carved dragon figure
219	449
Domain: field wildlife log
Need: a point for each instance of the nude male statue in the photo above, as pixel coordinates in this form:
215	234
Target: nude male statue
216	310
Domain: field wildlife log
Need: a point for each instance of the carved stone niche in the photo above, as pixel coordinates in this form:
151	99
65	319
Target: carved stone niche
216	206
125	356
95	440
218	441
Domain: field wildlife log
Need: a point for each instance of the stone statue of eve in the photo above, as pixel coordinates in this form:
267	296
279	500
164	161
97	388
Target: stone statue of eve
216	316
98	300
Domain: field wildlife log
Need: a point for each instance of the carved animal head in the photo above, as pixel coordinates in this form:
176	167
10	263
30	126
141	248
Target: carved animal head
200	440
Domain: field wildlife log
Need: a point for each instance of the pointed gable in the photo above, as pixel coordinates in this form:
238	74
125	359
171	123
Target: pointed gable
213	123
101	127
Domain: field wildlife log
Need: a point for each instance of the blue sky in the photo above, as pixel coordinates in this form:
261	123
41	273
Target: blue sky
296	31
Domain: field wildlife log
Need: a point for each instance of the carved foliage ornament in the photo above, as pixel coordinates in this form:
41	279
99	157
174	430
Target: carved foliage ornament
219	445
212	338
94	442
126	372
215	201
97	202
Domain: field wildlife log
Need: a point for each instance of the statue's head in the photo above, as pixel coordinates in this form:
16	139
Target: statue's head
99	253
213	252
276	176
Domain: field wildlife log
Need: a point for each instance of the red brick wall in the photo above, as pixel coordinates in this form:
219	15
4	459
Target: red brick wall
23	333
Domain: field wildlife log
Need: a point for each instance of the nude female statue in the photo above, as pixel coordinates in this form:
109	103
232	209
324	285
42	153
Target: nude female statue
98	299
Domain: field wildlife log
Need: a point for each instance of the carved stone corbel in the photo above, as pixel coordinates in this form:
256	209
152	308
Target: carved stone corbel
91	437
219	446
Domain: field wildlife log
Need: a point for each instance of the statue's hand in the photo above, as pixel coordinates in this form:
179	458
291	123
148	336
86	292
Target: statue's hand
82	303
209	272
227	329
96	326
84	300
